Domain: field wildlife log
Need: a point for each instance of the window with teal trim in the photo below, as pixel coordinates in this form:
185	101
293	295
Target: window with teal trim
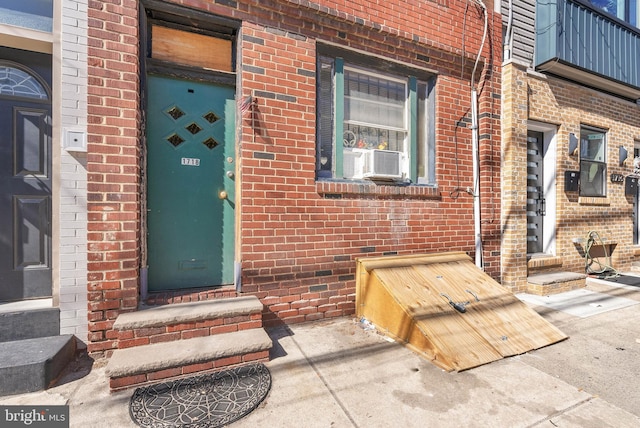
374	125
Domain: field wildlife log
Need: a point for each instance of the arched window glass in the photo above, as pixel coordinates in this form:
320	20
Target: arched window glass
19	83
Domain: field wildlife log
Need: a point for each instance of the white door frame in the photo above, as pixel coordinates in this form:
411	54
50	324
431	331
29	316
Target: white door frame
550	133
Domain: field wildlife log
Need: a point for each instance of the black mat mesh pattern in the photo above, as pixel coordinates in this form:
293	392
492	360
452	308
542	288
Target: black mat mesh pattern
205	401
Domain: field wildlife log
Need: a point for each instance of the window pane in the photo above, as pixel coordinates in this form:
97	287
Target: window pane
592	178
325	118
609	6
35	15
592	145
374	100
425	151
593	167
19	83
369	137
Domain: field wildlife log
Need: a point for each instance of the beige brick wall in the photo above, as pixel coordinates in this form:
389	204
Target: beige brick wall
531	96
514	160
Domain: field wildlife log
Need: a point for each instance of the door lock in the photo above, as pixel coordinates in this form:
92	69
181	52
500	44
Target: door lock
541	203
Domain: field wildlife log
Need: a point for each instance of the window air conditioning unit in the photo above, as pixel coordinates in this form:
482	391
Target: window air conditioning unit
383	165
352	163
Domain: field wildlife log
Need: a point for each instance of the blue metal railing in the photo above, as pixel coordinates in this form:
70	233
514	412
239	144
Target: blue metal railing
576	34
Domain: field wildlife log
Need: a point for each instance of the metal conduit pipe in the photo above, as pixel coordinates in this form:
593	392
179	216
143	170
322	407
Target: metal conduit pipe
475	146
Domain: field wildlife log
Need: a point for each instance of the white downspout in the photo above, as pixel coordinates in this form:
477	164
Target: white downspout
508	36
476	178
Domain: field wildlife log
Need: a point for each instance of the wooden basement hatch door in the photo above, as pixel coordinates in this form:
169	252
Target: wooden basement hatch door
403	297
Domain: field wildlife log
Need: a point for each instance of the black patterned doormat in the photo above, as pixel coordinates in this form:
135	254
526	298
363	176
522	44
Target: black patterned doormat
205	401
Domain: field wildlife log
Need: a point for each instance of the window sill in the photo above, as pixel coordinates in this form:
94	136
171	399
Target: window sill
352	189
584	200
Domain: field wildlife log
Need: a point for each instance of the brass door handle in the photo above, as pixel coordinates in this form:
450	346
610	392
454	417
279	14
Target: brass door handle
222	194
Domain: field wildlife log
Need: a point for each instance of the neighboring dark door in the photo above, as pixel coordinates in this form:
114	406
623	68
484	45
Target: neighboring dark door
191	191
25	175
535	192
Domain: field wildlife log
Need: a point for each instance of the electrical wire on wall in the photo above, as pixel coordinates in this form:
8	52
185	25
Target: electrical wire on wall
455	193
474	190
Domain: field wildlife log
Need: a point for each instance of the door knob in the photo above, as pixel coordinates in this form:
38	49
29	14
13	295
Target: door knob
222	194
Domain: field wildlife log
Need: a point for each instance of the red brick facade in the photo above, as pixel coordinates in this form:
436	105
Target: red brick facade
113	166
297	237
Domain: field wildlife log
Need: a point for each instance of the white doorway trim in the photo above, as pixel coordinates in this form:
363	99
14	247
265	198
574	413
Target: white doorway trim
550	133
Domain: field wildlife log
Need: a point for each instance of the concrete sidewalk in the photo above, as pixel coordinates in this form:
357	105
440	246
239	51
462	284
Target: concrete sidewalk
338	374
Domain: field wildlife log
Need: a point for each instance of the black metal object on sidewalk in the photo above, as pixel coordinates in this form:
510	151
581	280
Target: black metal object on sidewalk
205	401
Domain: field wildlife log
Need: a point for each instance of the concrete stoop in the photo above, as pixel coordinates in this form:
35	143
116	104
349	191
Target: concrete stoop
29	323
543	284
33	354
170	341
29	365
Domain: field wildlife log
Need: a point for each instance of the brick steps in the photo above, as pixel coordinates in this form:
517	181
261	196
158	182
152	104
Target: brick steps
543	284
168	341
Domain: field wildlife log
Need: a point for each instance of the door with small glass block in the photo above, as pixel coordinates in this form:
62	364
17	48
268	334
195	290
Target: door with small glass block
536	203
190	183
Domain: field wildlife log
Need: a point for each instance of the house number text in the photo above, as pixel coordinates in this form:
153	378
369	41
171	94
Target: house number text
190	161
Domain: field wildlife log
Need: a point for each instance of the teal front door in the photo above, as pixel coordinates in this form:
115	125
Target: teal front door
190	184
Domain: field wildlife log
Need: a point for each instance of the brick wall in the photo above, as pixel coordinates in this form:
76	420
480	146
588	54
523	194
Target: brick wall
298	237
514	183
72	294
530	96
555	100
113	167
